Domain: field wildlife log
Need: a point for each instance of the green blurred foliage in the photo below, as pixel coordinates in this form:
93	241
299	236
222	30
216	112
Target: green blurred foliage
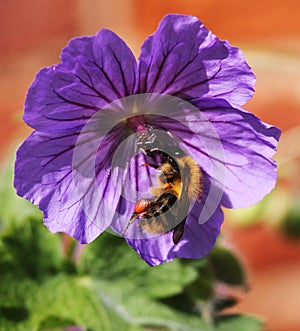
104	286
291	223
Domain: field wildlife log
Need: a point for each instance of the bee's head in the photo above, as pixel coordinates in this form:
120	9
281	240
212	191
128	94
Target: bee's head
166	146
147	141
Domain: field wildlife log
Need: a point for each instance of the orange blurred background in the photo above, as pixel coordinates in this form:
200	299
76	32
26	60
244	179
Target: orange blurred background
34	32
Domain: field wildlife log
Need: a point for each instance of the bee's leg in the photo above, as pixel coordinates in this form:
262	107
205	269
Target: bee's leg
139	210
178	231
132	219
152	165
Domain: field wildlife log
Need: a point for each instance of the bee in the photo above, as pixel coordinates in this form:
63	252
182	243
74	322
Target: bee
179	182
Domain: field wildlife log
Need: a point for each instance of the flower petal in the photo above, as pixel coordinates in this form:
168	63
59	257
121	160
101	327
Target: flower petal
184	59
74	200
199	235
94	72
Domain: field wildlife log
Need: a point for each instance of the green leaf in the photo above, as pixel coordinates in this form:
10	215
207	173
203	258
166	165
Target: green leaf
226	266
29	250
291	223
98	305
128	285
138	309
14	314
110	258
53	322
202	288
58	301
32	265
240	323
69	299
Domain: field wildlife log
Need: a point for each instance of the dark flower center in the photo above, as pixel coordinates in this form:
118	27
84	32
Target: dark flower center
137	123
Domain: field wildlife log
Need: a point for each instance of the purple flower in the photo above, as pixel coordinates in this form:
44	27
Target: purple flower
82	165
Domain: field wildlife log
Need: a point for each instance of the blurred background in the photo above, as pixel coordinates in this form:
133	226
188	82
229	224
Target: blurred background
266	236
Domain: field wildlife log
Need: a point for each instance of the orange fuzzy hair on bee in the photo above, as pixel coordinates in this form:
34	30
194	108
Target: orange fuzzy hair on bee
190	176
189	180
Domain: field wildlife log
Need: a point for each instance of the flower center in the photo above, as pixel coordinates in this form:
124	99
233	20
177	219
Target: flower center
137	123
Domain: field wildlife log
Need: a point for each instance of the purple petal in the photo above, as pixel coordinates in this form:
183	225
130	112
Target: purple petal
136	182
94	72
233	147
74	200
184	59
198	238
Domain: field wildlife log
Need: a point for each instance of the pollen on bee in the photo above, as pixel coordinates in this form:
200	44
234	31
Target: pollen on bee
141	206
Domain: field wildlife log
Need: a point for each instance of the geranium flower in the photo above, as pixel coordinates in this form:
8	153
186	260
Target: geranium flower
82	166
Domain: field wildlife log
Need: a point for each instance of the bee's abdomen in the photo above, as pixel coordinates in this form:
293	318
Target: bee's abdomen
161	204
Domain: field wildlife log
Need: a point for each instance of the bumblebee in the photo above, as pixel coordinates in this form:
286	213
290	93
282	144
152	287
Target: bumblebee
179	182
